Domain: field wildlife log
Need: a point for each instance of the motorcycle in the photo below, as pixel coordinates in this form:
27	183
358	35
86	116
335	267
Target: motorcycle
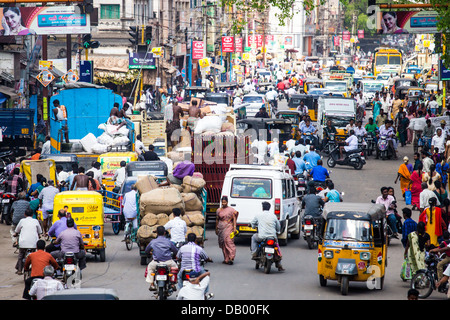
266	254
424	280
281	94
331	143
352	158
310	228
7	201
383	149
370	148
68	267
273	106
165	280
362	146
300	185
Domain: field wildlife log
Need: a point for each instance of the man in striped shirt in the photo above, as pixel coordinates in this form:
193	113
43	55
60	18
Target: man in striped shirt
191	255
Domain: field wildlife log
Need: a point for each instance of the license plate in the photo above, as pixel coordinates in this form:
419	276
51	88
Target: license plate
243	228
69	267
5	201
161	277
308	227
362	158
301	189
269	250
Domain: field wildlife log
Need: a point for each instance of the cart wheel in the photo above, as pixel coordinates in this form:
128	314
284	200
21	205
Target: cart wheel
116	228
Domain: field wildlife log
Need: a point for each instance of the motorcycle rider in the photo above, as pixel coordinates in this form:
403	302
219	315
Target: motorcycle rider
14	183
388	131
272	96
443	247
300	165
196	287
351	143
332	195
268	227
308	128
71	240
319	175
387	200
327	131
313	205
56	229
191	255
163	250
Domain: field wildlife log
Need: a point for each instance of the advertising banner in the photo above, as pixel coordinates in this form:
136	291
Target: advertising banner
360	34
138	60
21	21
346	35
251	41
227	44
238	45
398	22
444	73
197	50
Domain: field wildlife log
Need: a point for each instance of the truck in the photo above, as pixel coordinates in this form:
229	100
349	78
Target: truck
338	110
17	128
87	106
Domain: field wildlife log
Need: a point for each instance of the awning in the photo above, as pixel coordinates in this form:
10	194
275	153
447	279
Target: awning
9	92
111	64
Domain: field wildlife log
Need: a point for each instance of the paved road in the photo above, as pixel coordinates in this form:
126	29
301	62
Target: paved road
241	281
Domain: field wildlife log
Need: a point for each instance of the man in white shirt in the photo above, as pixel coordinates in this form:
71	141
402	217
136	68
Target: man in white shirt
425	197
46	147
29	230
195	288
351	143
438	141
177	227
130	206
46	198
96	169
272	94
46	286
385	104
119	176
433	105
139	145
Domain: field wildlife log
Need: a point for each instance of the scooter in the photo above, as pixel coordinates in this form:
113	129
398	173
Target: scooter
352	159
383	149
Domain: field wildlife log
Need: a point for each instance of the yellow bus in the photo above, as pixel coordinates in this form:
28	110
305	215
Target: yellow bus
387	58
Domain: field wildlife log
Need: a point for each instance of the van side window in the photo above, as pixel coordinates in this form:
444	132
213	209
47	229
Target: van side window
283	184
293	191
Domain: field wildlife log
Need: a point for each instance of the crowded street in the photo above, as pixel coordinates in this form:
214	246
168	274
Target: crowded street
235	151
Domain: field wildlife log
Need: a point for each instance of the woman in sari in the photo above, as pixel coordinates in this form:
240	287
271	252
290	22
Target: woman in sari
431	177
442	168
415	185
440	192
416	245
432	218
404	173
225	225
376	108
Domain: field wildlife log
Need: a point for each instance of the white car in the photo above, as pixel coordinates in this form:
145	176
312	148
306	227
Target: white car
384	77
255	102
248	186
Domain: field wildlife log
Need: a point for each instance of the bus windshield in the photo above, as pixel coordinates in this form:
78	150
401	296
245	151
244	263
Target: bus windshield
336	86
380	60
394	60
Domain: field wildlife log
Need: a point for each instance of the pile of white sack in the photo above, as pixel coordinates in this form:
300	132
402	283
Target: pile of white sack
110	138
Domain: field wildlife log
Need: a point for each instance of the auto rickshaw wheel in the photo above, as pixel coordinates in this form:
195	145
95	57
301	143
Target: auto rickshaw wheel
102	254
344	285
322	281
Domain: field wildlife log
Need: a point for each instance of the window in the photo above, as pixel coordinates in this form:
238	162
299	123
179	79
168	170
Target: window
293	190
285	189
109	11
251	188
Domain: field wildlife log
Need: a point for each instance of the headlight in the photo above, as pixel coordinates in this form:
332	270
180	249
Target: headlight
328	254
364	255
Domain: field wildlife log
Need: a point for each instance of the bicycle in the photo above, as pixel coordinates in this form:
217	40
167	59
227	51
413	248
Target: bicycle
130	234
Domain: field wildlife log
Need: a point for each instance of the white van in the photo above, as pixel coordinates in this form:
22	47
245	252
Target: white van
248	186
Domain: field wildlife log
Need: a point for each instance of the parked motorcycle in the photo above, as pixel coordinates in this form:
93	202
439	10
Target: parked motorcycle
353	159
425	280
266	254
7	201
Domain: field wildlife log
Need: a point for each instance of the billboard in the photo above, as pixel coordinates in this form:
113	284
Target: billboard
138	60
197	50
227	44
21	21
398	22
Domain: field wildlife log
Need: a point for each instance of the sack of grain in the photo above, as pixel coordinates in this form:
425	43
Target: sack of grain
177	186
161	200
193	184
146	232
145	184
195	218
163	218
191	202
149	219
197	230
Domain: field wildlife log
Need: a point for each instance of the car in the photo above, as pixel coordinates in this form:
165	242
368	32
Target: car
83	294
319	92
384	77
248	186
255	101
265	74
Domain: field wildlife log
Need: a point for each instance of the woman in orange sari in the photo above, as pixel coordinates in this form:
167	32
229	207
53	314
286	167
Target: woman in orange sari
225	225
404	173
434	224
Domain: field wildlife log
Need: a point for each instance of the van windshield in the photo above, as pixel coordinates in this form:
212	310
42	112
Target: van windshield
349	230
251	188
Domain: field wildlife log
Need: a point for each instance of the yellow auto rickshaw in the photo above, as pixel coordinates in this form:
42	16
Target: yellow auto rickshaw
312	83
86	209
45	167
353	246
110	162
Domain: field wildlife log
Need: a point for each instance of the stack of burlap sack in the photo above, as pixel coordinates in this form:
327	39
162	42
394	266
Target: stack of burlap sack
156	204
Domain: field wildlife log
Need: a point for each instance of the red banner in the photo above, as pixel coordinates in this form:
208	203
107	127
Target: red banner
259	40
227	44
239	45
197	50
346	35
251	40
360	34
269	38
336	41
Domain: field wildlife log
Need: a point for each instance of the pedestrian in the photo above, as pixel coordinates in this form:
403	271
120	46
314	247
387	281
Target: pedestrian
409	225
434	224
404	174
29	231
413	294
225	227
416	247
46	147
431	176
440	192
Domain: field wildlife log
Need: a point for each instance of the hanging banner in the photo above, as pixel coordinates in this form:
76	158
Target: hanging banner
360	34
251	41
21	21
346	35
197	50
336	40
397	22
227	44
239	45
259	40
204	63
